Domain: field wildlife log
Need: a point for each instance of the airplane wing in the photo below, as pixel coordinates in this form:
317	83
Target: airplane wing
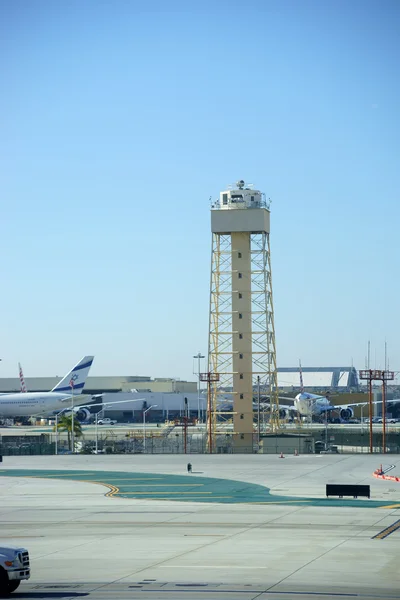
286	398
366	403
289	407
104	403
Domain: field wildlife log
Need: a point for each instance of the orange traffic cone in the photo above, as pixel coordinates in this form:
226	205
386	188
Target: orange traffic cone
281	455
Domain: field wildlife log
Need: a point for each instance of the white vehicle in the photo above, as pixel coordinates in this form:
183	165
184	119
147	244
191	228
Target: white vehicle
14	568
106	421
29	404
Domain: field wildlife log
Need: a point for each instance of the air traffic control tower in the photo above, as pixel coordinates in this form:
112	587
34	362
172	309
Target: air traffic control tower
241	329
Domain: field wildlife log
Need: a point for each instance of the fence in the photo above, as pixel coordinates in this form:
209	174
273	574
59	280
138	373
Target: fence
345	439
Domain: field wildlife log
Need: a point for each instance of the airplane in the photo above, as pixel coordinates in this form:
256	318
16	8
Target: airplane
313	405
28	404
304	404
59	400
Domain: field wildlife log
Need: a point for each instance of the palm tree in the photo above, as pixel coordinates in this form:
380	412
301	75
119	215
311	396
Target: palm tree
65	424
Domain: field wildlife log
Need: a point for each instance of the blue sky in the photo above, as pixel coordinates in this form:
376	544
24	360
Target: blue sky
120	119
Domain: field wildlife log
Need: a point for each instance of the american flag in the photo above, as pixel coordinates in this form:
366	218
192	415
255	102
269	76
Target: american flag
21	377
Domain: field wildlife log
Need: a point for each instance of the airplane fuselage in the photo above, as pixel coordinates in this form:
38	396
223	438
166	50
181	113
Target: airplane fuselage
310	405
33	403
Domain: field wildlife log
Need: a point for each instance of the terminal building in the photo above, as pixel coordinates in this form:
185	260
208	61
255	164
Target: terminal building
108	384
127	397
319	379
316	379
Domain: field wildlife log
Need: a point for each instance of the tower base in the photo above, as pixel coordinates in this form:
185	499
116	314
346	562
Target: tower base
242	443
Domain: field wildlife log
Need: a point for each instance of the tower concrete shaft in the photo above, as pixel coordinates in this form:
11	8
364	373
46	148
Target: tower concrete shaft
241	331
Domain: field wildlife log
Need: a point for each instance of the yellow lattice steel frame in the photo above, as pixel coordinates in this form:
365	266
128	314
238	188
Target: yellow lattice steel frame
263	327
272	368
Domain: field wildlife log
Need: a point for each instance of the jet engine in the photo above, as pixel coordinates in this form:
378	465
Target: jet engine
82	414
283	413
346	413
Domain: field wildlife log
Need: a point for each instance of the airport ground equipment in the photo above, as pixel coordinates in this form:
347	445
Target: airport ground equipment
347	490
241	326
14	568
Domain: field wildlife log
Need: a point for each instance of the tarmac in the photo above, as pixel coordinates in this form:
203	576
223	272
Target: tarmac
87	542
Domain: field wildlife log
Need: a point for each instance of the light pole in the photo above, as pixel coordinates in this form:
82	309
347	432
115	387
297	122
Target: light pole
57	415
71	383
199	356
144	425
258	411
210	378
97	430
57	433
326	430
362	417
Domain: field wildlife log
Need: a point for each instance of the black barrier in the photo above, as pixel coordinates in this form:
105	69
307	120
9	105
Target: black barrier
347	490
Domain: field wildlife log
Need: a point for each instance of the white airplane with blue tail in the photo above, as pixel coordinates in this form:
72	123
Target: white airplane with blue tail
65	397
28	404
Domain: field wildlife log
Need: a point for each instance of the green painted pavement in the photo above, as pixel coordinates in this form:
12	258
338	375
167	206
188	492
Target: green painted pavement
187	488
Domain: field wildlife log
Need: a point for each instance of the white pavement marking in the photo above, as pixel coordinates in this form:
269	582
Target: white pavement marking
208	567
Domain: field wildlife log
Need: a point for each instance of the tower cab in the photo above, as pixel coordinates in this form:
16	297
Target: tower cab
241	197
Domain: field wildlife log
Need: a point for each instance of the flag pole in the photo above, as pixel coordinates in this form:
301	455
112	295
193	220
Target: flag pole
71	383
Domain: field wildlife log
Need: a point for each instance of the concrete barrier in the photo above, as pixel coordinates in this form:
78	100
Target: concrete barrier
379	474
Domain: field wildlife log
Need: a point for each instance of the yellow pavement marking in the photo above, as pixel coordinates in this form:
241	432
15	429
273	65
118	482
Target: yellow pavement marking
163	484
122	497
165	492
214	497
57	475
112	489
387	531
390	506
115	478
280	502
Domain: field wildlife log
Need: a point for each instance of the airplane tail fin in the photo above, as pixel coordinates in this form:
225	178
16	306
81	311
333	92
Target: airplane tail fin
74	381
22	380
301	378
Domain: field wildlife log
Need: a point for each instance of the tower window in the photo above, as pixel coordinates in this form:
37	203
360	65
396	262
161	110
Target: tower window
252	198
241	376
241	396
242	416
240	275
240	336
239	255
224	198
240	355
240	316
240	295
